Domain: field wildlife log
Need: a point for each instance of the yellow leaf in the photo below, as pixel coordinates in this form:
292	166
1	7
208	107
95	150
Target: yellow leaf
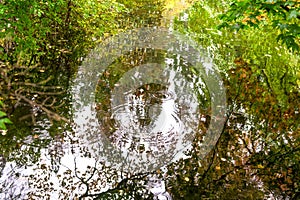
259	166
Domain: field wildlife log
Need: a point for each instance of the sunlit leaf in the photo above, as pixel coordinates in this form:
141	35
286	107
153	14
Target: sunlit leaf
2	114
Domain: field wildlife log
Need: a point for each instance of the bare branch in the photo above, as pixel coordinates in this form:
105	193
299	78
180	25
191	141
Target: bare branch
50	114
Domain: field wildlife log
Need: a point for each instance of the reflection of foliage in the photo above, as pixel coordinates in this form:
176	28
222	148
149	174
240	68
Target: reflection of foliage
93	179
272	140
12	188
41	43
112	75
283	15
257	46
128	61
149	14
41	38
257	155
258	152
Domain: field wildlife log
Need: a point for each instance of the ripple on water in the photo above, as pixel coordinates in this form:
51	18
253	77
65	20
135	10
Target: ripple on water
146	122
146	99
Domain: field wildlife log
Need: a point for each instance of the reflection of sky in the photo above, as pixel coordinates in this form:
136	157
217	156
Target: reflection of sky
87	128
28	176
177	114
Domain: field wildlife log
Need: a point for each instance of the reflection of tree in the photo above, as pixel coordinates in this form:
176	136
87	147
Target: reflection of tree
257	154
40	54
110	77
98	179
12	186
149	94
128	61
34	80
91	179
2	163
149	14
35	68
176	77
127	188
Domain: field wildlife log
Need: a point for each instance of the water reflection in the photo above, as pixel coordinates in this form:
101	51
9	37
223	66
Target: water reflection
146	103
158	188
148	116
143	109
155	118
148	113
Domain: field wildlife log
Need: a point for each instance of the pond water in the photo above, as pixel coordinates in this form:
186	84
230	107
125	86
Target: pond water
138	103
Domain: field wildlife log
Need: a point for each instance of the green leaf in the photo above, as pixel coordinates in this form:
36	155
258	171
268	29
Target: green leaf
6	121
2	126
2	114
3	122
293	14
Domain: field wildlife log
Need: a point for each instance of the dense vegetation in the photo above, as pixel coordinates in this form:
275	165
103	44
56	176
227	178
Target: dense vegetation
257	154
254	43
41	45
281	15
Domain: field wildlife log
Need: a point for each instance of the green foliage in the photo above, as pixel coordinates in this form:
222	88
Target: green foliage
26	24
41	40
53	31
149	14
282	15
258	46
3	119
41	44
97	19
261	139
38	38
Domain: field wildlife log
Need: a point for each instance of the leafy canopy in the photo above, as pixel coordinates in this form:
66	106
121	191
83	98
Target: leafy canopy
282	15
